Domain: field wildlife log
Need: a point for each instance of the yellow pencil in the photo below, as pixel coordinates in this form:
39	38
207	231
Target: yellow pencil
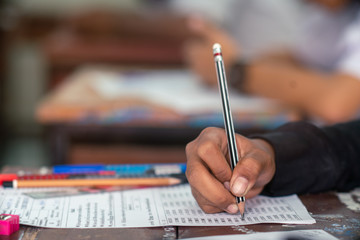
165	181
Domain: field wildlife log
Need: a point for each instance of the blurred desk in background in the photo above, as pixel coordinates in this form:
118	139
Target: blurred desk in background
126	116
99	36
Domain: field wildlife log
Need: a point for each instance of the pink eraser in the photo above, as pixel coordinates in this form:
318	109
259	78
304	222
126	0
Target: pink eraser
8	224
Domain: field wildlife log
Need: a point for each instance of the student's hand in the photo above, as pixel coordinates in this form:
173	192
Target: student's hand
212	182
198	50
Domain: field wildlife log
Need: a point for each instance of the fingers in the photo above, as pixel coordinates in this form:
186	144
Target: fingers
204	203
210	149
208	33
255	168
199	57
215	160
202	28
209	173
254	192
210	205
212	181
198	49
208	191
245	175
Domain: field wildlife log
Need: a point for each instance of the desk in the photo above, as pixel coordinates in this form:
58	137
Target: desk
330	215
118	144
82	116
113	37
121	144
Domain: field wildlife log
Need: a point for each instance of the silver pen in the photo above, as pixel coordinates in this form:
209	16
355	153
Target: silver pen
228	122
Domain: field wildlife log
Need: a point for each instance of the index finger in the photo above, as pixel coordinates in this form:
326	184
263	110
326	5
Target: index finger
211	148
208	187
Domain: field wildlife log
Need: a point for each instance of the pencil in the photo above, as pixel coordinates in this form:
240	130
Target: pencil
228	122
163	181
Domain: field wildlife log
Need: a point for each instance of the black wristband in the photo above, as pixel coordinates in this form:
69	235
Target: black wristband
237	76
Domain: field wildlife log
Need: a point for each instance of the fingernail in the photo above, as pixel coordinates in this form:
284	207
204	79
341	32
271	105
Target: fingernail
232	208
240	186
227	185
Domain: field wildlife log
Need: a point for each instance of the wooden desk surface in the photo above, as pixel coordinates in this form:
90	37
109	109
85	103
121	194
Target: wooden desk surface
329	212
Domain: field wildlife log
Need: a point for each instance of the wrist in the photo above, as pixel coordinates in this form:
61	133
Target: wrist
238	75
270	165
264	145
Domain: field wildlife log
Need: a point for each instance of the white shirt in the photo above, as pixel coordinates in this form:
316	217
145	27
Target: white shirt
330	41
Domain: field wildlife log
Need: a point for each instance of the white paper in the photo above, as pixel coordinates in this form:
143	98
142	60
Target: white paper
178	89
150	207
313	234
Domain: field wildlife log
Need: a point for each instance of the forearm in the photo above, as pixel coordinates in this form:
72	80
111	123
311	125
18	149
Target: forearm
284	80
331	97
309	159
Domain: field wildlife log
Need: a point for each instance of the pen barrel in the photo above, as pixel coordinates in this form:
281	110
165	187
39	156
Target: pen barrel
228	121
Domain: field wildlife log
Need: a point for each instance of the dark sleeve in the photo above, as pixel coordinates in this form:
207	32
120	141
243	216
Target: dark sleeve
311	159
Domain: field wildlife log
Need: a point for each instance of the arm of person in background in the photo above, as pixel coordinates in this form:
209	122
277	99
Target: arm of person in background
331	97
199	56
295	158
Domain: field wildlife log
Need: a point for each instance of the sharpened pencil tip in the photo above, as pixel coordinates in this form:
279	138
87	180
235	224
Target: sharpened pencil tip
174	181
241	206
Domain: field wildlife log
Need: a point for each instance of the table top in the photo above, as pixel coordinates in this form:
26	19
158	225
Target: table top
96	95
331	215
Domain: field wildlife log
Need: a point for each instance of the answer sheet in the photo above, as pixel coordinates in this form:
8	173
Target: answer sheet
149	207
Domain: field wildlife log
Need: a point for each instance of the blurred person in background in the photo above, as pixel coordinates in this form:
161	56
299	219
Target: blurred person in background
319	74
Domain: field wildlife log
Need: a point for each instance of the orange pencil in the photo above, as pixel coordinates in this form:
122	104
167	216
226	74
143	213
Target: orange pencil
165	181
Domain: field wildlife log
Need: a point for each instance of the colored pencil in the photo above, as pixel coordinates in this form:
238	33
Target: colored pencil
161	181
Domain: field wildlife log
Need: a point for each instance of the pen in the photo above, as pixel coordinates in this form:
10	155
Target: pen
163	181
228	122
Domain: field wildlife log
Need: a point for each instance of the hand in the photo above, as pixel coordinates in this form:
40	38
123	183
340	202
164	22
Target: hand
212	182
198	50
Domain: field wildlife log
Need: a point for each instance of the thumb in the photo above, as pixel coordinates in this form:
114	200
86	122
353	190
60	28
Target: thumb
244	176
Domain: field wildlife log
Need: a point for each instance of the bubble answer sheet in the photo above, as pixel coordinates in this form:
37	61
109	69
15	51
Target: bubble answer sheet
148	207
